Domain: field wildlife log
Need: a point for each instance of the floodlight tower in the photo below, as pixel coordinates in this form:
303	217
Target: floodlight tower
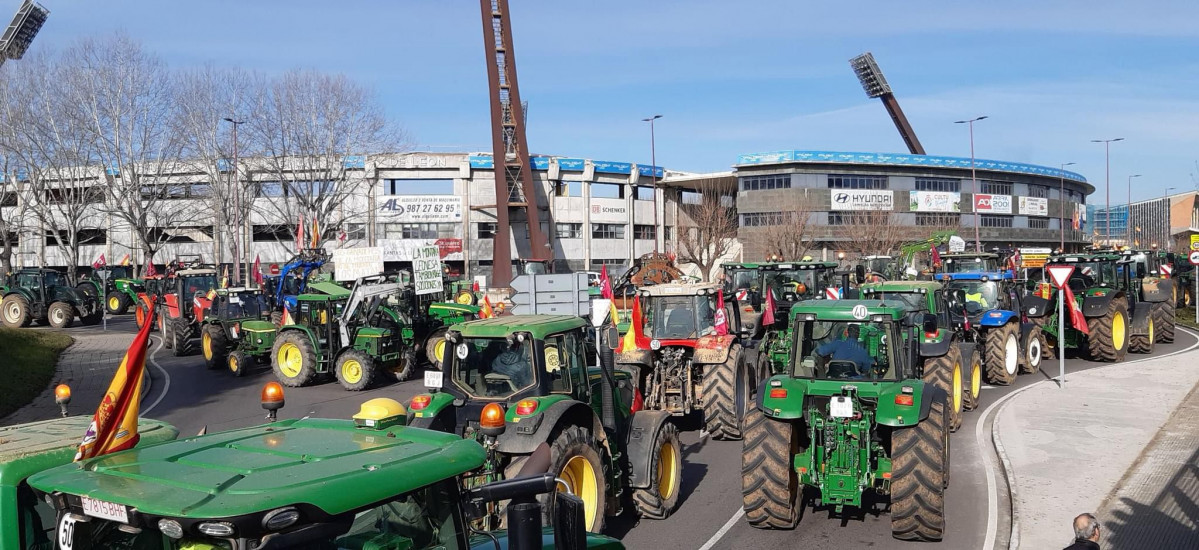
875	85
19	35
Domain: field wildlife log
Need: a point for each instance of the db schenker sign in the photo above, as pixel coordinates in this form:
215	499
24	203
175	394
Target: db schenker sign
859	199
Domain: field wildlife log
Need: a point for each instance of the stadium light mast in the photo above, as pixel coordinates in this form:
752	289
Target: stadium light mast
20	32
875	85
1107	160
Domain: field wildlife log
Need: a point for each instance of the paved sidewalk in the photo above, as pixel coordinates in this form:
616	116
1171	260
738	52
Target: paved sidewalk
1069	449
87	366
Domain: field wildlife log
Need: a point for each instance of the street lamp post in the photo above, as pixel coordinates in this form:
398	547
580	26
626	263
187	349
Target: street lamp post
237	221
973	180
1107	159
1128	219
653	169
1062	202
1169	236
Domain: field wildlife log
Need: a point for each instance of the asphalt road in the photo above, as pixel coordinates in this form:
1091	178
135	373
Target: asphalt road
192	397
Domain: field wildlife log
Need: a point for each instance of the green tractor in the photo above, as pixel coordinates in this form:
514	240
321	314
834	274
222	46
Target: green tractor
791	283
118	286
1152	284
531	374
233	315
370	483
851	414
45	295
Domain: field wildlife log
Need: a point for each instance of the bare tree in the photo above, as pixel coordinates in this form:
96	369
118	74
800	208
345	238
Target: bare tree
791	237
874	232
12	217
710	231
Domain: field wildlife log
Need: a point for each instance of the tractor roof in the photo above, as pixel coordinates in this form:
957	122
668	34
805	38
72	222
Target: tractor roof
326	289
787	266
975	276
195	272
1081	258
965	255
26	449
329	464
678	289
843	310
539	326
902	286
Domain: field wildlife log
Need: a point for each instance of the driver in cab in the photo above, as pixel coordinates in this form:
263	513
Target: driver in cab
514	363
978	298
846	348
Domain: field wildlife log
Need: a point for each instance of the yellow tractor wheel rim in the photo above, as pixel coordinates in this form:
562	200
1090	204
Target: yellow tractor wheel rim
206	345
464	298
667	466
439	350
291	360
957	386
1151	331
233	365
581	477
114	303
1118	331
351	371
976	379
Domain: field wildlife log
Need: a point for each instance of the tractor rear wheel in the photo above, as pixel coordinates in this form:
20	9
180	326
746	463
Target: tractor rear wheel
972	382
575	456
918	478
139	317
1048	342
355	370
466	297
213	345
117	303
182	331
1143	343
167	340
726	393
15	311
945	372
1164	319
293	359
1108	338
770	488
662	497
92	319
1001	354
435	348
238	362
277	318
61	315
1034	351
406	367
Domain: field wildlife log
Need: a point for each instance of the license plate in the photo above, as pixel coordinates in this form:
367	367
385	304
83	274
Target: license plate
841	407
105	510
433	379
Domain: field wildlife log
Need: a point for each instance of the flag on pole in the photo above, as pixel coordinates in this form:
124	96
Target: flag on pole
768	314
474	287
936	256
635	338
99	263
114	426
605	284
225	278
300	234
721	316
1077	319
316	232
125	260
615	321
485	311
150	271
258	270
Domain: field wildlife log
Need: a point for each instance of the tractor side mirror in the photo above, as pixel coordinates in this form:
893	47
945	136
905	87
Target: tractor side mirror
859	272
612	337
930	323
1140	271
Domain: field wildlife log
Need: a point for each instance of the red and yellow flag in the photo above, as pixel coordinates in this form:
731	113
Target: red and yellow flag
125	259
316	233
635	338
485	311
114	426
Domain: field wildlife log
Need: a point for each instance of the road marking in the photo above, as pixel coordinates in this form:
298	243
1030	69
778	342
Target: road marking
724	529
165	375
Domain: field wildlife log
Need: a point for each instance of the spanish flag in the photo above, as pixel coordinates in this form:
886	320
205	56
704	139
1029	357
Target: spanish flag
125	260
316	233
634	338
485	312
114	427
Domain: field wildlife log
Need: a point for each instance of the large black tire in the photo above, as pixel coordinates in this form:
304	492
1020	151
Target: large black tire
86	288
972	380
1048	342
182	332
213	346
726	393
277	318
93	319
575	447
466	297
1186	296
770	489
164	328
139	316
666	471
1143	343
1001	354
355	370
918	478
1108	338
15	311
1034	351
407	366
293	359
1164	316
117	303
238	362
431	344
945	372
61	315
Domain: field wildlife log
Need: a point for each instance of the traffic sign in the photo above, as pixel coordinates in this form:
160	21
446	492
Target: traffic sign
1194	242
274	269
1060	274
1194	258
554	294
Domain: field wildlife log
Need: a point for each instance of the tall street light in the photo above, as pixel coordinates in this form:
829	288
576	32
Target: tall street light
978	247
653	160
237	221
1169	236
1128	219
1107	159
1062	202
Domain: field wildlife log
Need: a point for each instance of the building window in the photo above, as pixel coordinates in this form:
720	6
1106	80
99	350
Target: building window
643	193
607	230
597	265
1039	191
522	229
938	219
691	197
762	183
355	231
418	230
856	182
273	234
418	187
934	184
762	219
568	188
995	188
568	230
644	232
607	191
485	230
987	220
839	218
1038	223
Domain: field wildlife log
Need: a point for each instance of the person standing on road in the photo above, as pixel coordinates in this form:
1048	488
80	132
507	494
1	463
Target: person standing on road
1086	533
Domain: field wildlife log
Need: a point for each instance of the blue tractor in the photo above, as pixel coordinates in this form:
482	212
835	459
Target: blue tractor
992	315
292	280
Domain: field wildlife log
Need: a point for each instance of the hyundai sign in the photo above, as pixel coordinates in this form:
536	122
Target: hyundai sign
860	199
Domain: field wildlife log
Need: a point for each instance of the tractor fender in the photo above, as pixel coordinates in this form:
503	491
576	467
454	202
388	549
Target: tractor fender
522	439
889	414
1036	306
1096	306
967	350
1157	290
996	318
713	350
643	430
1139	324
439	403
642	357
935	348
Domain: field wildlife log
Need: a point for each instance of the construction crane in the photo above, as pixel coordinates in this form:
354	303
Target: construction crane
875	85
514	189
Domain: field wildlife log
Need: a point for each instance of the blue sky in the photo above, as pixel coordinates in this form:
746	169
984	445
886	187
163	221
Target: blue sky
733	77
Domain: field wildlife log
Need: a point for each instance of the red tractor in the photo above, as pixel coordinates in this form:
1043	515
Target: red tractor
183	296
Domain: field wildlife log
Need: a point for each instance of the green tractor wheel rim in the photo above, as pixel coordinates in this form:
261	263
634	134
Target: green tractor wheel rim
114	303
667	466
439	350
1118	331
206	345
957	386
291	360
582	478
351	371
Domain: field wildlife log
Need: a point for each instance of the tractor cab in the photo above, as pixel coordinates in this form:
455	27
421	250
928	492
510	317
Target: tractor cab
970	263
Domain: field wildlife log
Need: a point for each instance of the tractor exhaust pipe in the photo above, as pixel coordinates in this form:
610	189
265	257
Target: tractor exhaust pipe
607	360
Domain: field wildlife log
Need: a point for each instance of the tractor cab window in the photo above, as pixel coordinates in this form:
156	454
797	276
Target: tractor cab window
245	305
193	284
842	350
421	519
969	265
30	280
54	278
680	317
493	367
912	301
739	279
316	314
797	284
1094	274
980	295
564	362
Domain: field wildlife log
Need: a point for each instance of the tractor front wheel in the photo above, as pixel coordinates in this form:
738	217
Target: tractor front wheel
661	498
1143	343
293	359
1164	319
117	303
945	372
972	383
181	336
139	316
1108	338
406	367
213	345
1034	351
918	478
1001	354
61	315
238	362
726	393
15	311
167	340
466	297
770	487
435	348
575	457
93	318
355	370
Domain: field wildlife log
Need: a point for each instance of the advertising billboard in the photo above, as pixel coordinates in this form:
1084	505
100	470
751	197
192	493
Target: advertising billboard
421	209
862	199
993	204
935	201
1033	206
